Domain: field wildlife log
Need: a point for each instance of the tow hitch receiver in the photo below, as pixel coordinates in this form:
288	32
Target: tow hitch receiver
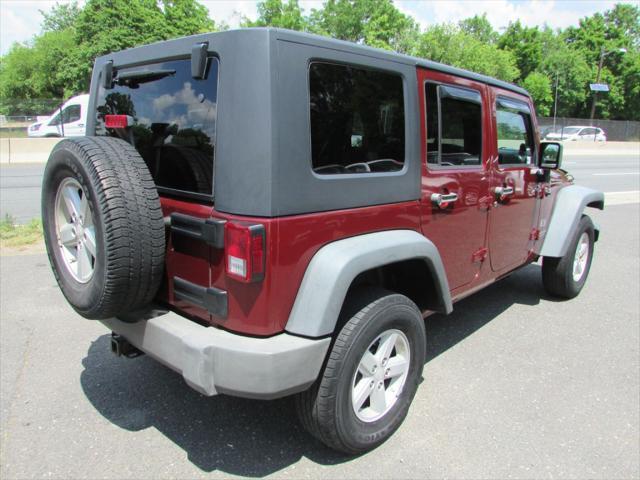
121	347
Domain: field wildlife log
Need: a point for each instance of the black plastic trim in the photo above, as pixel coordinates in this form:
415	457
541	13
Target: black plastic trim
210	230
211	299
199	60
107	75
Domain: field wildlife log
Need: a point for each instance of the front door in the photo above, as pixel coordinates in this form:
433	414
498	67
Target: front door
514	183
69	122
455	181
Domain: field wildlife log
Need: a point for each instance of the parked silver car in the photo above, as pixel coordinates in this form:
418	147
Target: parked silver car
576	133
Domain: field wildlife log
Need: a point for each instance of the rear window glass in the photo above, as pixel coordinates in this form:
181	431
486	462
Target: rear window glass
174	121
357	120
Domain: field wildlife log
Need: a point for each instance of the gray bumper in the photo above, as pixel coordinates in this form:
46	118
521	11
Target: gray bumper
216	361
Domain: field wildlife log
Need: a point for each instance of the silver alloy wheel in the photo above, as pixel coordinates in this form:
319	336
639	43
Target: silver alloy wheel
381	374
75	231
581	257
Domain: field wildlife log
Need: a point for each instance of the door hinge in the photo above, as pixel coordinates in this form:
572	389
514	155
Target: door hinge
210	230
480	255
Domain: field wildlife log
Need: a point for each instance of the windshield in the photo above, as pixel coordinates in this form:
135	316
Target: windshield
174	121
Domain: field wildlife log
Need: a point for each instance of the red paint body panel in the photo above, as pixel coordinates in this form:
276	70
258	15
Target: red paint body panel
263	308
478	241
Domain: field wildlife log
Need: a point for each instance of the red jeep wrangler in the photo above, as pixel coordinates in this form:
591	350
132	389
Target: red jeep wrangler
273	213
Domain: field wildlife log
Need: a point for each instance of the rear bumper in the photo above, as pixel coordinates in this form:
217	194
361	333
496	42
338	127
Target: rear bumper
215	361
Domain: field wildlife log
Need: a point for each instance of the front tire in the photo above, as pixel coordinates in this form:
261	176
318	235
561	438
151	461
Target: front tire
565	276
371	375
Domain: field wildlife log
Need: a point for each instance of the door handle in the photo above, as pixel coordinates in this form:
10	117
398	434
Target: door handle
503	192
442	200
81	124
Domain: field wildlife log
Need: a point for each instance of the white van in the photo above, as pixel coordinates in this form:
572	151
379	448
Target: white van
73	114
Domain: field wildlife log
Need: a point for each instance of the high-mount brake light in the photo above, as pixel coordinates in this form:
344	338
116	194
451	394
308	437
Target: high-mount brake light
245	251
118	121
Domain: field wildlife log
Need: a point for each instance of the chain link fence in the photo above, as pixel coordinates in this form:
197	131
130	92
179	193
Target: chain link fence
615	130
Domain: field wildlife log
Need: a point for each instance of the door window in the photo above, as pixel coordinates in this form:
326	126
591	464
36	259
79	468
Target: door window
454	126
515	138
69	114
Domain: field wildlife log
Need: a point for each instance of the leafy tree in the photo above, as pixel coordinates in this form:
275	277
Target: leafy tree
452	46
279	13
480	28
61	17
105	26
539	86
570	69
187	17
30	72
529	45
377	23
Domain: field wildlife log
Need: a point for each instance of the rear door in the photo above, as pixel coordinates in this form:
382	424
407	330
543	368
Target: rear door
174	120
514	182
455	182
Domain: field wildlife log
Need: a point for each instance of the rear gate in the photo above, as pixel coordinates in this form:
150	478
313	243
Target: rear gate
168	111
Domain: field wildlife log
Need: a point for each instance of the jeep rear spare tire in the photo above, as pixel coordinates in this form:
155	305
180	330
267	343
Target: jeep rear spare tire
103	226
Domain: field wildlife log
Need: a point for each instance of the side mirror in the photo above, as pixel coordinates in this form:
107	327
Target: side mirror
550	155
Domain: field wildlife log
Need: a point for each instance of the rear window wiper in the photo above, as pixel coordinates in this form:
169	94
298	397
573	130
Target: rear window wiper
136	77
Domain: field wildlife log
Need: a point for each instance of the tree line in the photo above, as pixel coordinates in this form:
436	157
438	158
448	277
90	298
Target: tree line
57	62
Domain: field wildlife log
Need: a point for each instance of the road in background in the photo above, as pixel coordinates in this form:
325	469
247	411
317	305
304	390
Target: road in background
20	183
516	385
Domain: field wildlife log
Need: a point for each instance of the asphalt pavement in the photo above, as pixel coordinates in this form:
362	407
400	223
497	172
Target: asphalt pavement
516	385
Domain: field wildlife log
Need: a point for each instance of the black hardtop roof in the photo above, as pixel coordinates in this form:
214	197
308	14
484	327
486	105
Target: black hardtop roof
341	45
351	47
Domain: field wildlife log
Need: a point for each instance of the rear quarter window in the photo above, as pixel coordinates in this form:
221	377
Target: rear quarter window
357	120
174	121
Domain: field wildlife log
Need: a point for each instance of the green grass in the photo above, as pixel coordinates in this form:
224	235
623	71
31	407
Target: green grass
17	235
11	133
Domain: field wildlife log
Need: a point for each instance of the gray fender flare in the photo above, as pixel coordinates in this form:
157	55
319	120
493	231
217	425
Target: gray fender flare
569	204
334	267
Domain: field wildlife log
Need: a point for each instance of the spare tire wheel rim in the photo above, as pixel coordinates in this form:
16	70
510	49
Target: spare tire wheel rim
381	375
581	257
75	231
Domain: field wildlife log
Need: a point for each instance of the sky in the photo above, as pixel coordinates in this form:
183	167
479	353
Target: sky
20	19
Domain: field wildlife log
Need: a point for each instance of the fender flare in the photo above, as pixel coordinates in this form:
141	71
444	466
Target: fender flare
334	267
569	204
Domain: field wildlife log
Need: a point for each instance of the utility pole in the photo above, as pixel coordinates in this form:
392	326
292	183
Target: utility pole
595	94
603	54
555	103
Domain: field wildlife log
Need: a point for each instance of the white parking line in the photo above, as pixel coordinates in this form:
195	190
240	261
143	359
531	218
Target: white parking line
621	198
614	174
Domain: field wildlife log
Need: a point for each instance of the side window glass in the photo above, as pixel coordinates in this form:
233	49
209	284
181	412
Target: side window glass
433	128
515	139
71	113
454	126
357	120
55	120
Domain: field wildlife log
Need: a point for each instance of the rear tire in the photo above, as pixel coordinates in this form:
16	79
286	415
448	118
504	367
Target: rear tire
565	276
356	404
103	226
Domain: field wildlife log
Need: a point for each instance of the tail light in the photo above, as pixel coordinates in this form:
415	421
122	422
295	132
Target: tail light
245	251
